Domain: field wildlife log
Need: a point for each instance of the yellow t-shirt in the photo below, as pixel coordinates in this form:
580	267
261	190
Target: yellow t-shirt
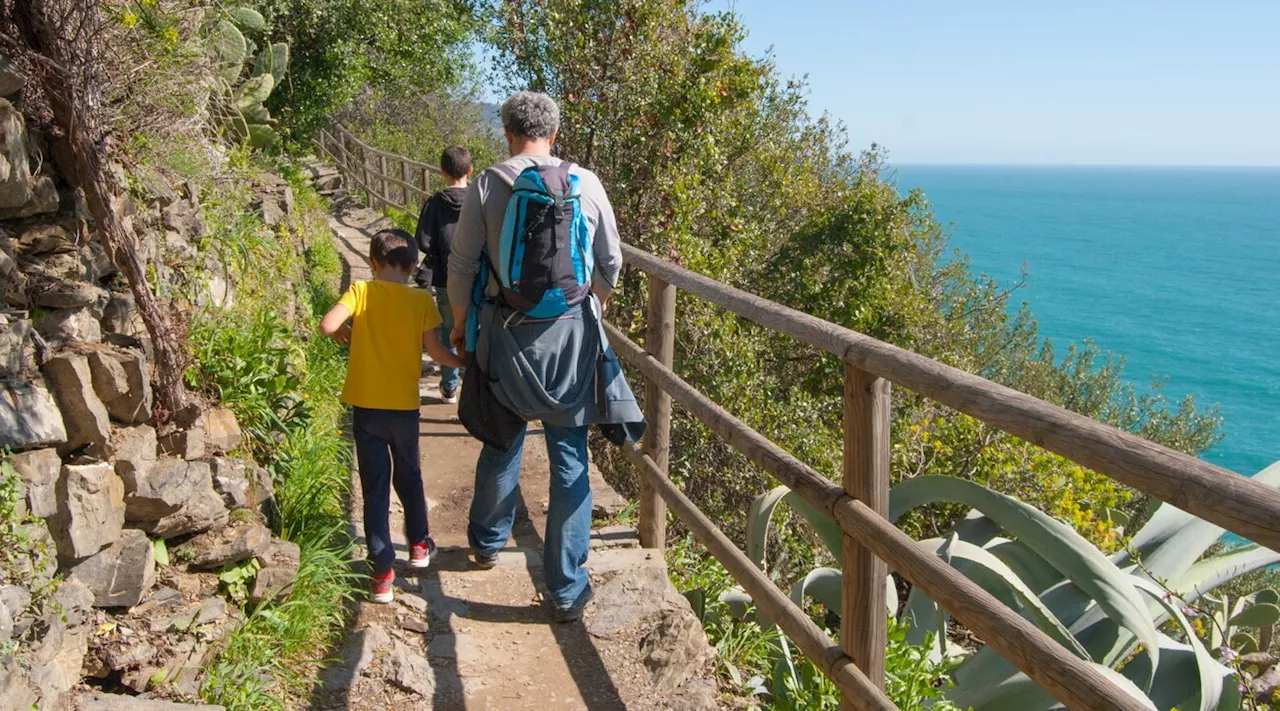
388	320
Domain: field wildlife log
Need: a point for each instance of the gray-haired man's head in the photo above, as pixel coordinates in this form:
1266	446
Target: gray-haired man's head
531	114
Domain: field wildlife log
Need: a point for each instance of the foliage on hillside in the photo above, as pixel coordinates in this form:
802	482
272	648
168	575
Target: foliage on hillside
344	47
713	160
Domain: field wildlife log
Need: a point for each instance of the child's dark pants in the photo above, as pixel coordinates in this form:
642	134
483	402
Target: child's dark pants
387	453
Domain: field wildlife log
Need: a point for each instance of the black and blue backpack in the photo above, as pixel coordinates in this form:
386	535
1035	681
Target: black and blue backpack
545	259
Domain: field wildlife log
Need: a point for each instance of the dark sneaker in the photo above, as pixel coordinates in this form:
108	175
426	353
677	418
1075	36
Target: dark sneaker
420	554
573	613
485	560
380	587
449	395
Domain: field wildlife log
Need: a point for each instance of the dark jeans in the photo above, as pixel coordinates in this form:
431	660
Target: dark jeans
387	454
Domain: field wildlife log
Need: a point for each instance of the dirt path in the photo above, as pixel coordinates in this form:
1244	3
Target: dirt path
458	637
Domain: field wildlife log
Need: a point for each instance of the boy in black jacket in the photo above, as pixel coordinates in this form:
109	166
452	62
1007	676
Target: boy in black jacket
435	237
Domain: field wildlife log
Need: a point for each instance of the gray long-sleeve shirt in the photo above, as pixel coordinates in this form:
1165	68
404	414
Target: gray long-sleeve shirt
481	223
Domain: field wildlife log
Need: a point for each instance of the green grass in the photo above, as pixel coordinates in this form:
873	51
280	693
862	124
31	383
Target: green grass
282	381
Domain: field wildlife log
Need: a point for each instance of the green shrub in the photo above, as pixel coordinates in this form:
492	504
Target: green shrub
281	382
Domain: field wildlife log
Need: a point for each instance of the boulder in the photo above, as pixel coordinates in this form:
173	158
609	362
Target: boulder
44	199
278	571
242	484
120	315
76	600
16	689
674	651
13	345
29	416
175	498
71	295
123	384
188	443
634	596
183	218
39	470
6	624
70	326
120	574
272	212
221	431
98	266
136	454
118	702
239	541
15	599
11	80
411	671
90	512
57	661
15	171
87	423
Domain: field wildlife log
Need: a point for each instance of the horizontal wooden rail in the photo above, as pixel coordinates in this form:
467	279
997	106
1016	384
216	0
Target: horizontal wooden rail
811	640
370	149
375	170
1068	678
1234	502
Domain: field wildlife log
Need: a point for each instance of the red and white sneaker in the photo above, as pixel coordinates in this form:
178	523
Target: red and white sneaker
420	554
380	587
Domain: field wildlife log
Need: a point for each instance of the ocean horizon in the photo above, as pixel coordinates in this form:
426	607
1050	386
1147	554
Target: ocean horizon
1175	268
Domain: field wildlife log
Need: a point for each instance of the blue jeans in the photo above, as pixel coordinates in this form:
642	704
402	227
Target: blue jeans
448	374
387	454
493	508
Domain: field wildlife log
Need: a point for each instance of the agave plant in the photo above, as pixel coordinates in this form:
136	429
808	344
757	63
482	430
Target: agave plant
1108	611
243	111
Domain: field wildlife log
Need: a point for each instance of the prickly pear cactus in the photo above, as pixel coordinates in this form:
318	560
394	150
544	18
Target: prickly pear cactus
244	112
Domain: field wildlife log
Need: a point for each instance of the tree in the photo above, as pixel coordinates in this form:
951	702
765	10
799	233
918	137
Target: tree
713	160
340	47
65	42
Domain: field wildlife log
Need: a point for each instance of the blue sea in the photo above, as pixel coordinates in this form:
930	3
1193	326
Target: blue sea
1176	269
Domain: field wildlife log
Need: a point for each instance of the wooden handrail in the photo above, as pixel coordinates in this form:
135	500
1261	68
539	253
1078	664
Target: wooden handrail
1234	502
1068	678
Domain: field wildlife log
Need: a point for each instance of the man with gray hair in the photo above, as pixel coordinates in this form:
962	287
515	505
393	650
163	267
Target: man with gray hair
530	121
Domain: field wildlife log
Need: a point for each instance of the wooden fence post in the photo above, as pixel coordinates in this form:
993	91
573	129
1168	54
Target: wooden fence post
426	180
344	162
659	342
406	175
866	478
384	188
364	174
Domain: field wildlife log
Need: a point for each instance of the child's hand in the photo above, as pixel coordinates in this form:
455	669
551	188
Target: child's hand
343	334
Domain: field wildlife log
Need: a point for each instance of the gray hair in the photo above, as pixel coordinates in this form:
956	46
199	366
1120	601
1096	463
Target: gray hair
531	114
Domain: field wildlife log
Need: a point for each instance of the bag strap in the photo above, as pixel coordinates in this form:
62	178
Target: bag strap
506	173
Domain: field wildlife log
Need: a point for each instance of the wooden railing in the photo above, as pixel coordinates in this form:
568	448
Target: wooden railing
859	504
387	179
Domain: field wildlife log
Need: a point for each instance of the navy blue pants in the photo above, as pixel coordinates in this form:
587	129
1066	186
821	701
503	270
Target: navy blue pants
387	454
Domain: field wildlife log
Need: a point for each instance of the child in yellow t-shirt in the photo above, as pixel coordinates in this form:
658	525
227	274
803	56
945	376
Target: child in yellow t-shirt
391	322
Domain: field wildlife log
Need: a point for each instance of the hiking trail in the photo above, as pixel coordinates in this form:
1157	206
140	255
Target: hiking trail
459	637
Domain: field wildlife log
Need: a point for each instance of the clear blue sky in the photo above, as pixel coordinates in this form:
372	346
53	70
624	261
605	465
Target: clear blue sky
1139	82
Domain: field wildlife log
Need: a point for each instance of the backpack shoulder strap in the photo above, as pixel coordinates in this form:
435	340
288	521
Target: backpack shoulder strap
506	173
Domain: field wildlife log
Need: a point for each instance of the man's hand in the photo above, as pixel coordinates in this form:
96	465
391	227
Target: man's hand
458	337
